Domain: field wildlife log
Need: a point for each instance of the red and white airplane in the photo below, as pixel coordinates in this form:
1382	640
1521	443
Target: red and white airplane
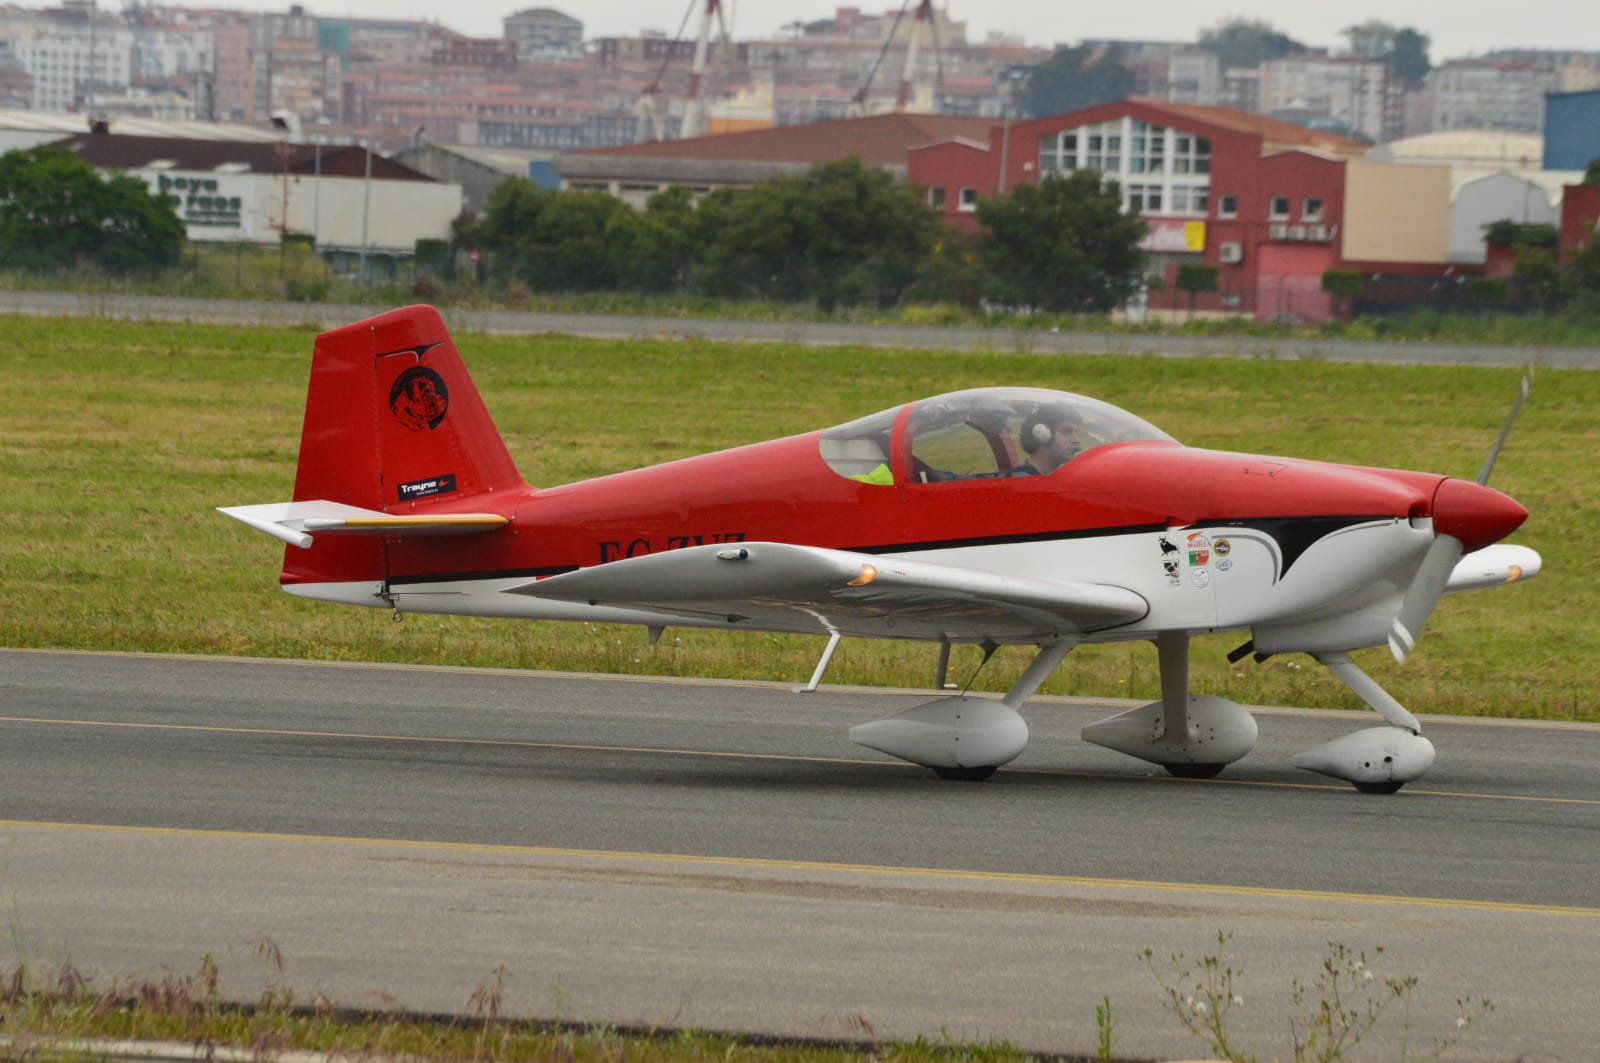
914	523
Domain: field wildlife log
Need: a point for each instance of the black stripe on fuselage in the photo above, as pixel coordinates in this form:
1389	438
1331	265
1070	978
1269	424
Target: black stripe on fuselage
1294	536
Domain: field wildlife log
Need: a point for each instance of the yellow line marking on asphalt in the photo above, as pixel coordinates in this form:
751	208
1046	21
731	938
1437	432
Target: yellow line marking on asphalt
578	747
766	864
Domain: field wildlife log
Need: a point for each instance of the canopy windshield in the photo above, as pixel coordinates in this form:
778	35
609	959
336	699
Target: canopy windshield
972	434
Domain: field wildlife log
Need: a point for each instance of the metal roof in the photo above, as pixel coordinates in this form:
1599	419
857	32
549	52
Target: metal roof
878	140
68	124
112	152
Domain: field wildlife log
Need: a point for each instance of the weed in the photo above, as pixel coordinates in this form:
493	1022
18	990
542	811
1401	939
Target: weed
1329	1016
1104	1027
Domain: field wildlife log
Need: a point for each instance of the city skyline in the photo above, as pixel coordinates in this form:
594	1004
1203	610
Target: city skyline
1456	29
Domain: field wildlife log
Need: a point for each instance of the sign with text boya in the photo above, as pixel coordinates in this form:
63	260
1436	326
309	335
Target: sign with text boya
211	206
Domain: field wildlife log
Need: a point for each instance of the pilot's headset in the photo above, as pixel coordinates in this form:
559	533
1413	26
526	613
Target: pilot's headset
1039	427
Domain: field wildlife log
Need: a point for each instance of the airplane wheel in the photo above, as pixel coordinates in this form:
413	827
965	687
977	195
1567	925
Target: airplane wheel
1194	771
965	774
1378	787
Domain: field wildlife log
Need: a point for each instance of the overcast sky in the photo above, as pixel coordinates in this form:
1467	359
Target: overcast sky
1457	28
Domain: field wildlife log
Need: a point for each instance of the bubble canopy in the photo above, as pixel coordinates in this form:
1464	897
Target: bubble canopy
971	434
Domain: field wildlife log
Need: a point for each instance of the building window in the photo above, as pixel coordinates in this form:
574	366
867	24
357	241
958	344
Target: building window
1190	154
1279	208
1227	206
1058	152
1147	148
936	197
1144	199
1189	199
969	199
1103	147
1311	209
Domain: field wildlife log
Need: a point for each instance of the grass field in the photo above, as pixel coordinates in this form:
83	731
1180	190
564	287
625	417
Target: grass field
118	439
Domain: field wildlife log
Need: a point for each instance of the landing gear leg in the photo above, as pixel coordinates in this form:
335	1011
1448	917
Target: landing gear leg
1191	736
964	737
1378	760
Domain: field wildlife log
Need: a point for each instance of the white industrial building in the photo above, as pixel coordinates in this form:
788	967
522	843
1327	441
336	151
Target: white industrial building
258	192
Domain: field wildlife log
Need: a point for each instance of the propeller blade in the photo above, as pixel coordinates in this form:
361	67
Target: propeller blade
1426	588
1505	430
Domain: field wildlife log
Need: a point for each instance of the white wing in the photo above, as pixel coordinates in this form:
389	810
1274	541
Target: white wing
782	587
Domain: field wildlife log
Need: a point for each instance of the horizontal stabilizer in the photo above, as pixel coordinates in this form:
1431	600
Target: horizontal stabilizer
297	522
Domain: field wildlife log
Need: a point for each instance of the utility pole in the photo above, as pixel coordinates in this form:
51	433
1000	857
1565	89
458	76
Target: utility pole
94	13
366	210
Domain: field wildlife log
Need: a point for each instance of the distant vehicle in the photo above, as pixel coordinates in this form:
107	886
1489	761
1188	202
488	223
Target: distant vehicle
996	516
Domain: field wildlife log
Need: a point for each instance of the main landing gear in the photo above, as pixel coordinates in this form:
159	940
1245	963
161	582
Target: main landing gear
1192	736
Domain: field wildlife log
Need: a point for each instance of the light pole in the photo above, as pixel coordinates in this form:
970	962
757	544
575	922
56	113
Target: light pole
366	210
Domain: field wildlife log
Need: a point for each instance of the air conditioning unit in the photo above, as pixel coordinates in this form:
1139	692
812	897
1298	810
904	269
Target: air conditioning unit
1230	252
1278	231
1316	232
1297	232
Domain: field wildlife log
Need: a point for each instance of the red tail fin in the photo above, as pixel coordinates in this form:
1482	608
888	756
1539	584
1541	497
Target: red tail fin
393	423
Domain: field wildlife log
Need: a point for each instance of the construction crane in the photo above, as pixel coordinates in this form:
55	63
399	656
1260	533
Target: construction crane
908	72
651	124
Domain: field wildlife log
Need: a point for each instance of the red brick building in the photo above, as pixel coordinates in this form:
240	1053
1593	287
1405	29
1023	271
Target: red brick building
1262	200
1580	218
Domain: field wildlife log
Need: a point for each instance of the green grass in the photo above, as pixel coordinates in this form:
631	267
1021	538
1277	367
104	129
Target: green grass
118	440
45	1013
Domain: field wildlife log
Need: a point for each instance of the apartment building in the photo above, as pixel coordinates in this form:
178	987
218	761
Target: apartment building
1489	94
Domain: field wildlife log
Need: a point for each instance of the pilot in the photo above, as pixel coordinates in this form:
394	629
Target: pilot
1050	437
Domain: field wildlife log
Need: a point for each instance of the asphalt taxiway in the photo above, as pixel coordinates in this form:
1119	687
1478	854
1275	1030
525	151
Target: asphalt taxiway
719	855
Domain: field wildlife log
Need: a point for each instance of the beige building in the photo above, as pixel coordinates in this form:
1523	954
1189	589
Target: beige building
1396	213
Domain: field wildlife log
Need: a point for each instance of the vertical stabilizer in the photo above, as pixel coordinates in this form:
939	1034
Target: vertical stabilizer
393	421
394	424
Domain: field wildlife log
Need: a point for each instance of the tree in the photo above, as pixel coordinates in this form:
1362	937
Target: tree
1591	173
1064	244
951	273
651	249
1243	42
1195	278
551	241
1344	285
1403	51
1538	274
1075	78
1372	39
1586	272
1508	233
1408	57
57	212
840	234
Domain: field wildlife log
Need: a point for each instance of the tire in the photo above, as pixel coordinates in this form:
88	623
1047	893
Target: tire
1194	771
966	774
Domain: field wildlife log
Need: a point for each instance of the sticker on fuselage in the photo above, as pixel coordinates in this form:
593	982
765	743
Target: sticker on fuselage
1172	573
1200	577
1199	549
438	485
